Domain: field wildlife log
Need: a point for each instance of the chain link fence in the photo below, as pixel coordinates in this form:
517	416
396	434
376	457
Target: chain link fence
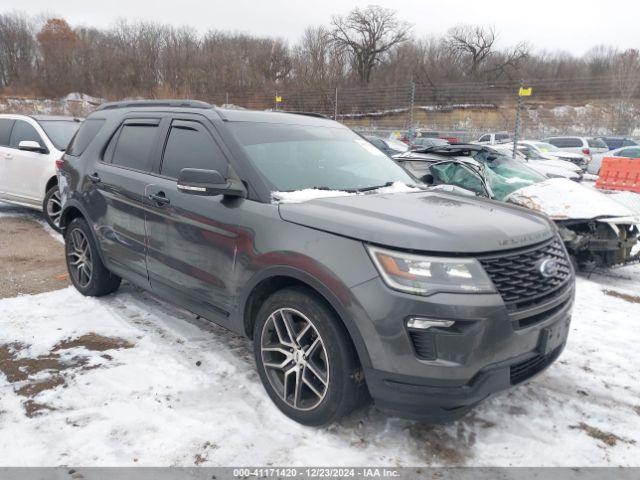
603	106
463	110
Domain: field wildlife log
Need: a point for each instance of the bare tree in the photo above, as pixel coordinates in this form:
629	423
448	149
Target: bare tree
367	36
475	46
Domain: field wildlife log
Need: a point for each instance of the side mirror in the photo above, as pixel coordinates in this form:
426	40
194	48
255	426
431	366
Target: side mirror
196	181
31	146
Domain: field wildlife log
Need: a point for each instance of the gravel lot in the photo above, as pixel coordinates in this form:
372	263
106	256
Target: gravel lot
129	380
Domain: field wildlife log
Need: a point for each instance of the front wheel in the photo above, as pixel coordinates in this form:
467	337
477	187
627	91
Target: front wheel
88	273
305	359
52	208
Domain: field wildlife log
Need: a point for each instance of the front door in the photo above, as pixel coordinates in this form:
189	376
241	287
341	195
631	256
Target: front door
23	169
191	239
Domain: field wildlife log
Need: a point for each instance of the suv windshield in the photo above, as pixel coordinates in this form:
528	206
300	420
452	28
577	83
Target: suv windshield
60	132
296	157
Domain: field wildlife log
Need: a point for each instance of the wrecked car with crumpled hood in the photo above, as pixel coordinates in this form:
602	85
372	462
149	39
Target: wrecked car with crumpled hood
597	229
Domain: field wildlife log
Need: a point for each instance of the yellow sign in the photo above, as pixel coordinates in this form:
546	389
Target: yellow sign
525	92
278	99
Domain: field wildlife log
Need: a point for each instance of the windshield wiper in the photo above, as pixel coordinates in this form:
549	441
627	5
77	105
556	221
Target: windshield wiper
374	187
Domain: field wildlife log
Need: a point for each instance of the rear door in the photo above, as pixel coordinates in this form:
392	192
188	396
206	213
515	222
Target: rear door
117	192
191	239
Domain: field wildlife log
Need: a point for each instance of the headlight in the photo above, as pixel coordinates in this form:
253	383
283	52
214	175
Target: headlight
424	275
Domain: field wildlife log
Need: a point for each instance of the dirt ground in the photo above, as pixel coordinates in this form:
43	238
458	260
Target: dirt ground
31	260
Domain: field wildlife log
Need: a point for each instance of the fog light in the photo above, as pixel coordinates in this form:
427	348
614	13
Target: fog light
426	323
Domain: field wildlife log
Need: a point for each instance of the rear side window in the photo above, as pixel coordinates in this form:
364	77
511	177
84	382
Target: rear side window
190	146
502	136
83	137
627	143
23	131
134	144
568	142
596	143
5	131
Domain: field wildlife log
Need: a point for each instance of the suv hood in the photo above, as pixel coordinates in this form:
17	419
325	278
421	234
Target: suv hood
426	221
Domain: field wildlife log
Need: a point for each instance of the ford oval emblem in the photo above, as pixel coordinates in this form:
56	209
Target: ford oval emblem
548	267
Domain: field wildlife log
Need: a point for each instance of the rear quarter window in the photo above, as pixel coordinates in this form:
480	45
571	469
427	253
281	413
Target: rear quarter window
596	143
83	137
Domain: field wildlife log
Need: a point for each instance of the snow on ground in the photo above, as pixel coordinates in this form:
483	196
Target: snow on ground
186	393
130	380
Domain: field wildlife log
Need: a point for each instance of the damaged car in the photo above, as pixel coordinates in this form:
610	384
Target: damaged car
597	230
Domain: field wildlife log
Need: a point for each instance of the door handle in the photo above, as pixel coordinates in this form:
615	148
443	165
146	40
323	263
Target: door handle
94	177
159	198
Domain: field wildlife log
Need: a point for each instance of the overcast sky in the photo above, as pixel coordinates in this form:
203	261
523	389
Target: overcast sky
570	25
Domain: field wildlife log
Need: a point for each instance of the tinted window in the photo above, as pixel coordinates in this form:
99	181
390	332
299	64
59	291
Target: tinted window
596	143
627	142
484	138
81	140
134	145
502	136
566	142
59	132
22	131
5	130
190	146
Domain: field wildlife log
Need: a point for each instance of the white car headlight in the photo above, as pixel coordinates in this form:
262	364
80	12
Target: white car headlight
423	275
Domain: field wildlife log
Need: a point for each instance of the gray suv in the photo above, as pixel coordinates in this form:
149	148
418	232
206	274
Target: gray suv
426	301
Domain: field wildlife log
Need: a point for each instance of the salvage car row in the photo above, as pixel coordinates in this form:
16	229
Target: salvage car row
426	288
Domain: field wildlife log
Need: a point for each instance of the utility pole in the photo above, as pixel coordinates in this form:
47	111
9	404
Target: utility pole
516	133
413	99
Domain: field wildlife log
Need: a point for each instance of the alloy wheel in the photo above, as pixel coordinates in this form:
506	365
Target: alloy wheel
295	359
54	208
80	261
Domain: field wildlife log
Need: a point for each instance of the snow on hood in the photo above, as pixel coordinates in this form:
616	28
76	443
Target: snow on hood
307	194
562	199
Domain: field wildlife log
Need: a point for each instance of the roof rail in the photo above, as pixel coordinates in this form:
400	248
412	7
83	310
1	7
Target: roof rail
154	103
308	114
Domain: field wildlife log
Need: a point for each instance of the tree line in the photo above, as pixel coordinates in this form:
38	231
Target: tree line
367	48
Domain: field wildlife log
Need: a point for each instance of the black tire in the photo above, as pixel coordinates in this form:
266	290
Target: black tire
52	208
100	281
345	389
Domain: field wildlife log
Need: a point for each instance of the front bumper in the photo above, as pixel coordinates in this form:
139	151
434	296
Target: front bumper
488	350
417	399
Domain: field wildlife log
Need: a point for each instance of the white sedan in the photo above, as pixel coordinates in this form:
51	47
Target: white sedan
622	152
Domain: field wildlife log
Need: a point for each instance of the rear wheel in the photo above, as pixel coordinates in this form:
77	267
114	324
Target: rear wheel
305	359
52	208
88	273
